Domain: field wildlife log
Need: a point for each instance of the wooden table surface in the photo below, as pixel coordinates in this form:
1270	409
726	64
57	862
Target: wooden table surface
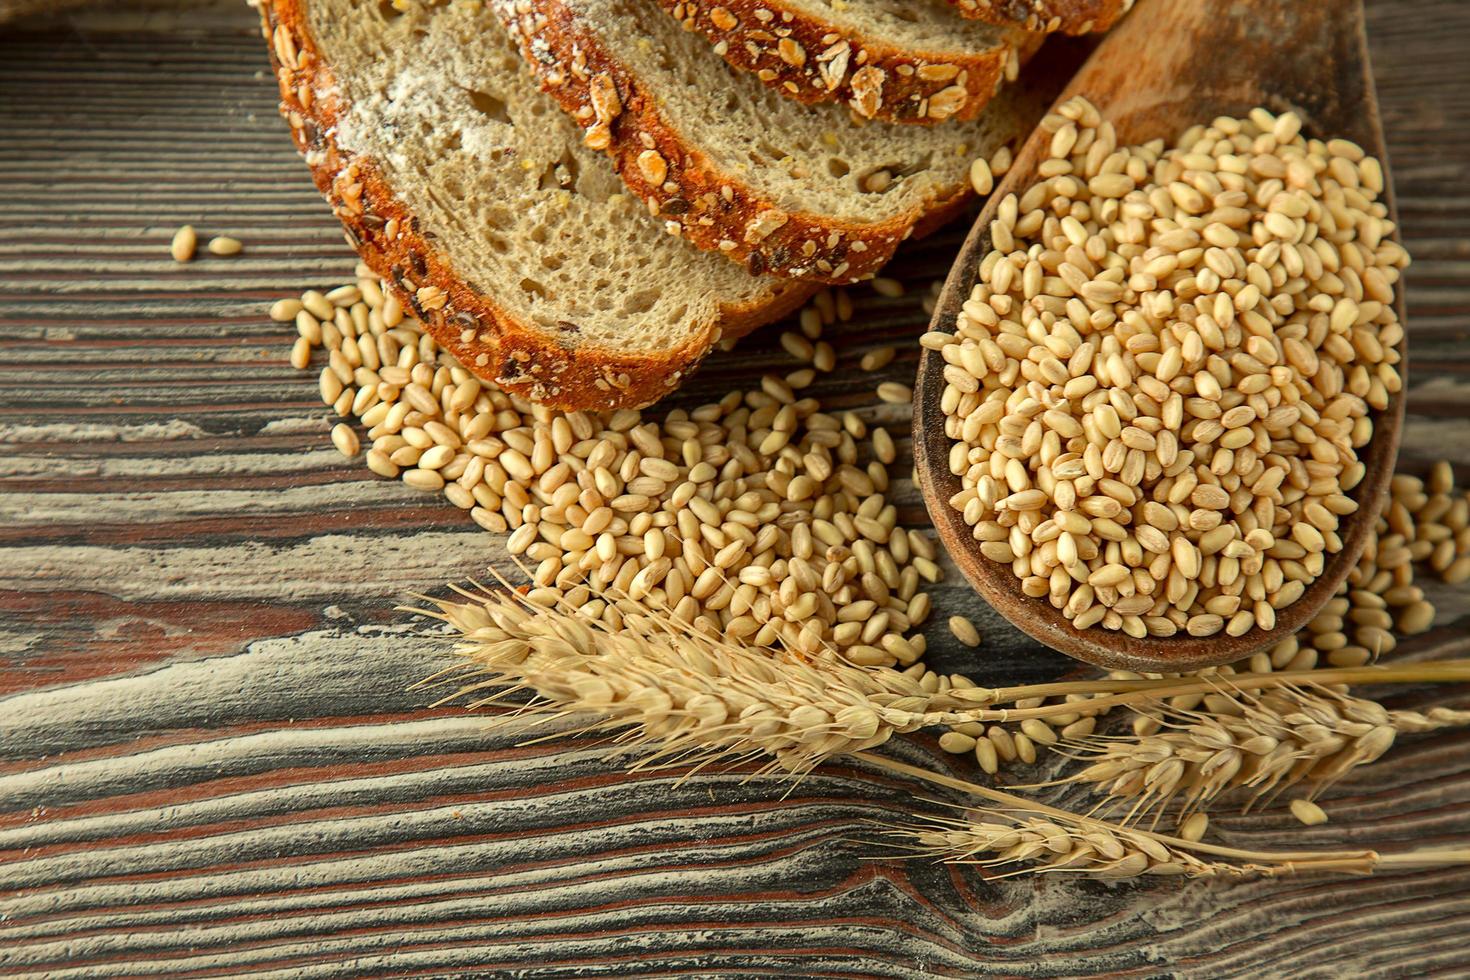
209	759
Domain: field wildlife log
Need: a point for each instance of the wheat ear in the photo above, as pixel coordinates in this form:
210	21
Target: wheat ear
1037	838
685	695
1264	742
691	696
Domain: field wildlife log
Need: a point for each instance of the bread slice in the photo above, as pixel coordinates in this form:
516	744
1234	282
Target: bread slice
1047	16
782	187
915	61
474	197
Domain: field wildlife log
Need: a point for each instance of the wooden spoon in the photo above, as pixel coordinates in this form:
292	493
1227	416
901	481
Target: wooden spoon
1169	65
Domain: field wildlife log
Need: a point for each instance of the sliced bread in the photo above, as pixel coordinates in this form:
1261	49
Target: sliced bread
779	186
915	61
474	197
1047	16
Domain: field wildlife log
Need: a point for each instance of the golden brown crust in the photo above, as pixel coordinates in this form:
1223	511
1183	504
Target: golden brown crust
811	60
1047	16
697	200
486	338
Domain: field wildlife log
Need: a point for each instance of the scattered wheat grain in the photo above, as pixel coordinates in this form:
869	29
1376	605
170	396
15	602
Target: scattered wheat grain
183	244
876	360
1308	812
964	631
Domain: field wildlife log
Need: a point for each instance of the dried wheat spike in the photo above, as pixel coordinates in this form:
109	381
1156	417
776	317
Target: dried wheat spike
1263	742
1034	837
1035	843
686	696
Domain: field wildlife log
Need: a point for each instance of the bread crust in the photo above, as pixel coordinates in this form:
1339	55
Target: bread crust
679	183
485	337
1047	16
813	60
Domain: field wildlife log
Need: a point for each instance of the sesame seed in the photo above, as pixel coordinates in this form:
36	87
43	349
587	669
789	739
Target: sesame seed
225	245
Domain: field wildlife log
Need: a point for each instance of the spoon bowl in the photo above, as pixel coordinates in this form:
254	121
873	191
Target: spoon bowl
1167	66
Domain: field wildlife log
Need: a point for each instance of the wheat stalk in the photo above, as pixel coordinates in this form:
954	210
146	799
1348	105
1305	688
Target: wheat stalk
1040	838
691	698
1264	742
692	694
686	695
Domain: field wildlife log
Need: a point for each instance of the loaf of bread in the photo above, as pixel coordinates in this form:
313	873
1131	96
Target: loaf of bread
476	199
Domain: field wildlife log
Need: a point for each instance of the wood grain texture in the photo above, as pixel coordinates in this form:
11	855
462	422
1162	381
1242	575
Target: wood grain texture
210	763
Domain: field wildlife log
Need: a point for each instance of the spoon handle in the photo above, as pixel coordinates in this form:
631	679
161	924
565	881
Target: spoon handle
1169	57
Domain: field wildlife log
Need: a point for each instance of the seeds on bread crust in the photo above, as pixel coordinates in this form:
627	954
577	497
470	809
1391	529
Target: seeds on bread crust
811	59
1047	16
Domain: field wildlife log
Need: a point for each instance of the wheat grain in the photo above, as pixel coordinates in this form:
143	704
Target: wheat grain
1193	827
876	360
1308	812
345	440
957	743
317	305
964	631
894	393
981	177
797	346
1034	837
182	246
681	694
1417	617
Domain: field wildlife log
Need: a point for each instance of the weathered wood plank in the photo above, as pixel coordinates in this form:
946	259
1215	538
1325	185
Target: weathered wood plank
209	762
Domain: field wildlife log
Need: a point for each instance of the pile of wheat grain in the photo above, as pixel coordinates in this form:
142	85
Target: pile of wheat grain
758	517
1159	385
